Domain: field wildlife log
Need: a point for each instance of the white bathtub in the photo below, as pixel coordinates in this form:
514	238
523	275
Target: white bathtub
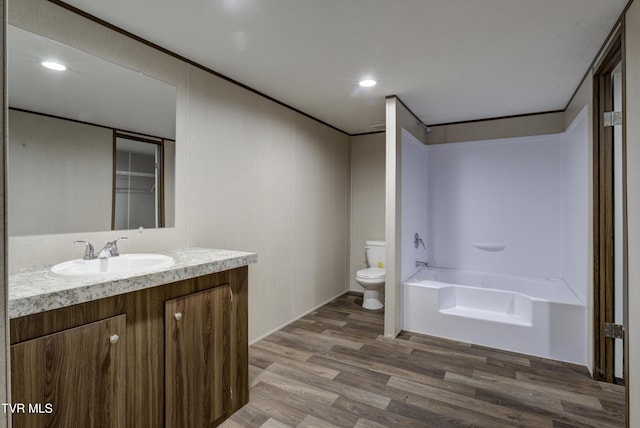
534	316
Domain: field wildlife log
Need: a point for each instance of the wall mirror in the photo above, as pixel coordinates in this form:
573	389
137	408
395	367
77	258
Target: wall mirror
65	171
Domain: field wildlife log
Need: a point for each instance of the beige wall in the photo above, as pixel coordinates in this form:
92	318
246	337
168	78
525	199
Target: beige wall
367	198
250	175
522	126
265	179
632	124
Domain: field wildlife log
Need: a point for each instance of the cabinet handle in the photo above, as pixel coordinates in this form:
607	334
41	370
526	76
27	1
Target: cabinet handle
114	339
178	315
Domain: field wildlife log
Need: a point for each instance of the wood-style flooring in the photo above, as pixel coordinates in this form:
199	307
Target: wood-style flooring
334	368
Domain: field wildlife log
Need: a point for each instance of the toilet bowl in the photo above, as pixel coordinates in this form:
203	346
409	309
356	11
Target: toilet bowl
372	278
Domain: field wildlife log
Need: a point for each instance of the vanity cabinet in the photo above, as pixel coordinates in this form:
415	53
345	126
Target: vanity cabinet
198	327
181	359
72	378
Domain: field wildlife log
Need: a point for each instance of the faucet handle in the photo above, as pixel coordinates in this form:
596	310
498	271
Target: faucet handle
112	247
89	252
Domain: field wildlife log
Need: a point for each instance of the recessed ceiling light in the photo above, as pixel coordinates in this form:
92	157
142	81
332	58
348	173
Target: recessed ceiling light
53	65
367	83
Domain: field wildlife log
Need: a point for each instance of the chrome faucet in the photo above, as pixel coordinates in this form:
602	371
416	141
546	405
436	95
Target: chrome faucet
110	249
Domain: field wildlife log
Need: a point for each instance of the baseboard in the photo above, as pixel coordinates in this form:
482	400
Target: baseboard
300	316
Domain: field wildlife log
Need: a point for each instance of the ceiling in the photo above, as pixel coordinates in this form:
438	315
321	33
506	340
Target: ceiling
449	61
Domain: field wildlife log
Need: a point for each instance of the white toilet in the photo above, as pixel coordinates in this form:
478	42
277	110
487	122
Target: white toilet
372	278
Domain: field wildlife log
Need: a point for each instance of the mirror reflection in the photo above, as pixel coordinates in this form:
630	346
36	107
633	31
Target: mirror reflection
138	177
66	132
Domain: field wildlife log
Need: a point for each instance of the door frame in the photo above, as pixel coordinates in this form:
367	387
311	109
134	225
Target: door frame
160	205
603	210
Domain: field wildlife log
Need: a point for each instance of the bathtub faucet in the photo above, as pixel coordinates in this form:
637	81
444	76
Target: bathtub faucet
420	263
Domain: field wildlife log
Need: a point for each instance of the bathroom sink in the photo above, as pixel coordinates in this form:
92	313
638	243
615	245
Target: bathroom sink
122	265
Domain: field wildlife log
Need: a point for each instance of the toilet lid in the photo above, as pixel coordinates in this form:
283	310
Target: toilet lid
371	273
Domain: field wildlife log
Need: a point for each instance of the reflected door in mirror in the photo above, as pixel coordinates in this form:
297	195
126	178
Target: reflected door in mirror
138	191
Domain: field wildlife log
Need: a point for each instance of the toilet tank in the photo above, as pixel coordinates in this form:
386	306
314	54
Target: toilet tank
375	253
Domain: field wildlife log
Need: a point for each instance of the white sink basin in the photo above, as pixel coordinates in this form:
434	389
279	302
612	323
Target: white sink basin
122	265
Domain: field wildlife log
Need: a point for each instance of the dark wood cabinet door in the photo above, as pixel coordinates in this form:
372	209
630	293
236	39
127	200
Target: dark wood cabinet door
198	358
72	378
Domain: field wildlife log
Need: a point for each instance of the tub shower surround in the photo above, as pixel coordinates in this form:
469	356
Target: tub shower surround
34	290
507	223
535	316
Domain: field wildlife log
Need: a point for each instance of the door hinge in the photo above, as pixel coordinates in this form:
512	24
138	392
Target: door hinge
613	330
612	118
231	295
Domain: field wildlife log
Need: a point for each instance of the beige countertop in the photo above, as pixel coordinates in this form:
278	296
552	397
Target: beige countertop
36	290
